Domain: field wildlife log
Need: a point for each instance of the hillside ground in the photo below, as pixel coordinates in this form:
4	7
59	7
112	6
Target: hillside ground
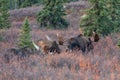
101	64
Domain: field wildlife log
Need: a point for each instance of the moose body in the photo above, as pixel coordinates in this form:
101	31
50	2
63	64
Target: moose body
81	43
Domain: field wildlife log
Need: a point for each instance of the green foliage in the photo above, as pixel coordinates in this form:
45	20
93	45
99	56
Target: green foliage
1	38
119	43
13	4
103	15
26	3
4	22
67	1
16	4
52	15
25	37
115	14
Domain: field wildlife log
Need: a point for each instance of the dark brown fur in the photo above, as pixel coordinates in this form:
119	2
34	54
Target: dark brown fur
55	47
95	36
90	45
81	43
21	52
60	42
7	58
44	46
60	39
49	46
72	44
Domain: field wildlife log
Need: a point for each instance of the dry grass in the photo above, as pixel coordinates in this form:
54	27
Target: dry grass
101	64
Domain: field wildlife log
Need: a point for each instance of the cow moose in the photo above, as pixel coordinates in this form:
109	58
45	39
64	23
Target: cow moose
81	43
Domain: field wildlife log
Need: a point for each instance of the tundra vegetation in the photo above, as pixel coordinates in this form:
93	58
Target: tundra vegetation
100	63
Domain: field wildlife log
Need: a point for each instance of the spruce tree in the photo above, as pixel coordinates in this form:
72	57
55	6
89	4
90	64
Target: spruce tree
103	15
25	37
1	39
119	43
115	14
4	15
26	3
52	15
